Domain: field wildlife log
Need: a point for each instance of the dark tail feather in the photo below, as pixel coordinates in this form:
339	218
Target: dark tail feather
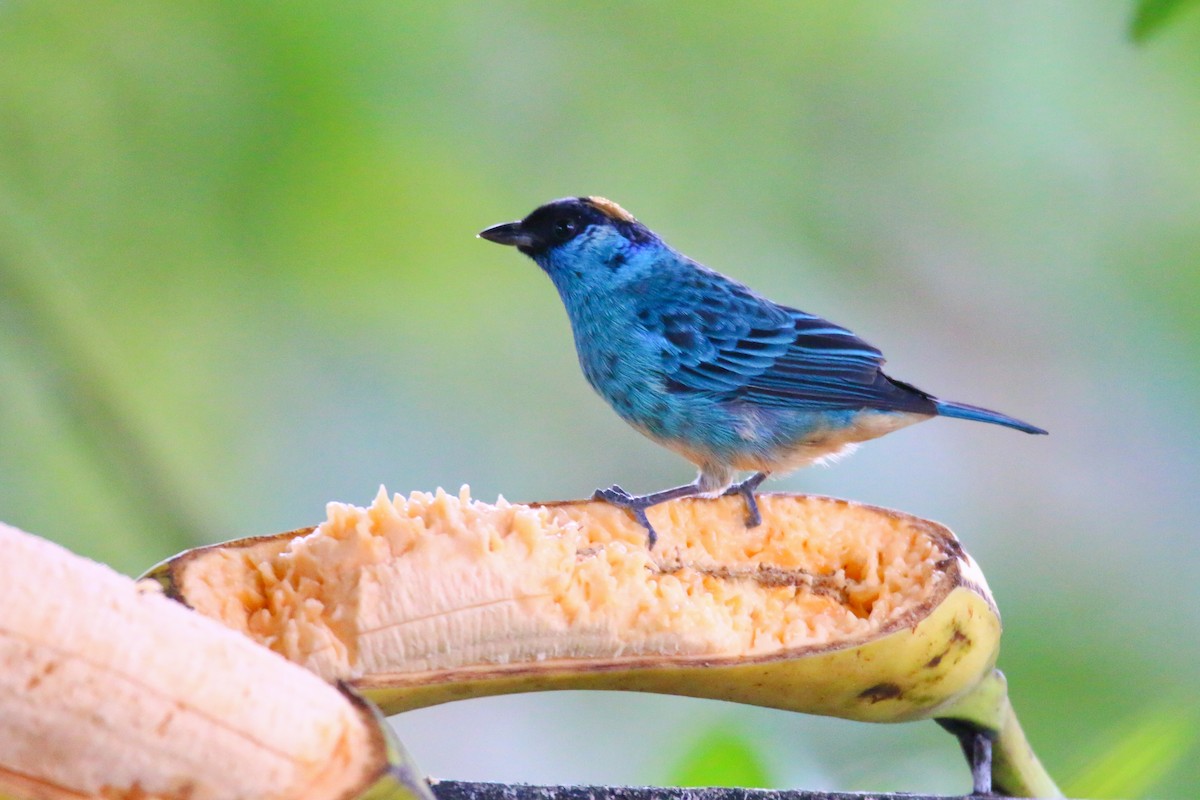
964	411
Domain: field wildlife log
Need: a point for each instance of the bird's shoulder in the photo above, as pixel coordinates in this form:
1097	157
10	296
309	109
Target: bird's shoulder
679	294
709	315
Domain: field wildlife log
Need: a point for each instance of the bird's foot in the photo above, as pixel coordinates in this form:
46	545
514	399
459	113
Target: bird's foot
746	489
635	504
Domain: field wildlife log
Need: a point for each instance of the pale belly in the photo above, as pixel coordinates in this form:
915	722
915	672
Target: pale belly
756	444
830	444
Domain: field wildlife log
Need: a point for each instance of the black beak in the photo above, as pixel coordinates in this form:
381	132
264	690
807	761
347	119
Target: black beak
510	233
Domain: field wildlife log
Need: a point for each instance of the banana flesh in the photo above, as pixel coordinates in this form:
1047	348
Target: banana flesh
828	607
111	690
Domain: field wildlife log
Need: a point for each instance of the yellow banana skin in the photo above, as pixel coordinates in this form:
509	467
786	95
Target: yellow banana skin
911	673
398	778
933	659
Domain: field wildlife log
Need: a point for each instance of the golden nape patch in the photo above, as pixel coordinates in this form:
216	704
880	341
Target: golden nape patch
610	209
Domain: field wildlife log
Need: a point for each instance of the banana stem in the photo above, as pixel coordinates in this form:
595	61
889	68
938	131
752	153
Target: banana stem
1016	770
987	713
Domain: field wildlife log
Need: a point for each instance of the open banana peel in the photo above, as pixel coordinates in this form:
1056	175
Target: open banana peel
828	607
108	691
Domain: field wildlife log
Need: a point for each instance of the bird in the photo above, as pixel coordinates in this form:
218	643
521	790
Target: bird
706	366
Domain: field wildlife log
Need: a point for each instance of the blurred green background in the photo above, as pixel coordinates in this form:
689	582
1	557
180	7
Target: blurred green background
239	278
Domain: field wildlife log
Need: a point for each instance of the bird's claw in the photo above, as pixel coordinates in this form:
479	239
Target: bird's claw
753	515
746	490
615	495
635	505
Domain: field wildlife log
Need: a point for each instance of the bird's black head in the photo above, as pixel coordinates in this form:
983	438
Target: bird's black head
561	221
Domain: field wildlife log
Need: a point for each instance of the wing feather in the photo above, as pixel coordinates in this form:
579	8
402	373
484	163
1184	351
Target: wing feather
721	338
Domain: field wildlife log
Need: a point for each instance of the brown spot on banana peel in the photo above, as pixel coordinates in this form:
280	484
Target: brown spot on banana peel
901	612
880	692
958	644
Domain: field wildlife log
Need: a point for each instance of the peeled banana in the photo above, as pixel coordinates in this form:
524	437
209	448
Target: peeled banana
828	607
108	690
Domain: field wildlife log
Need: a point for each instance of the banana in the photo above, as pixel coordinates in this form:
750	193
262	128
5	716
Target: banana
828	607
108	690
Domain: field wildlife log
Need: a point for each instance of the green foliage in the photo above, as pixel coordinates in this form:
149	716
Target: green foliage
721	756
1141	753
239	279
1151	15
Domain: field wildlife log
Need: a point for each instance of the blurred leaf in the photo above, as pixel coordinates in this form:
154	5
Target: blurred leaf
1135	763
721	757
1151	15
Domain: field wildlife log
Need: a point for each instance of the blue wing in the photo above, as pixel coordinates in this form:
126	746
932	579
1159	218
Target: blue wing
721	338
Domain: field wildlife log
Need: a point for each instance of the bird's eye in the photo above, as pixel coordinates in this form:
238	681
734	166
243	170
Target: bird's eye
565	228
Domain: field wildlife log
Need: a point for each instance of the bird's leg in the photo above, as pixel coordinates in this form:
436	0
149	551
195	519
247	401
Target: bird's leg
746	490
637	504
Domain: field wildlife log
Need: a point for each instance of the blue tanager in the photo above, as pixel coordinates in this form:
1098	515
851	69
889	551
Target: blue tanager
704	365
